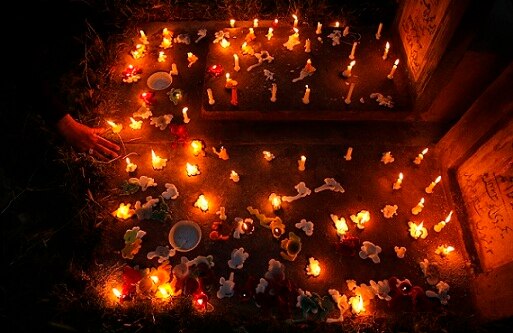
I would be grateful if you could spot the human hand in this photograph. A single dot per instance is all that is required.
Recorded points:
(86, 139)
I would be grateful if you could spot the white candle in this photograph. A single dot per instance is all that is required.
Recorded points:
(420, 157)
(211, 100)
(353, 50)
(143, 38)
(269, 33)
(429, 189)
(307, 46)
(162, 57)
(130, 167)
(274, 89)
(392, 71)
(255, 23)
(135, 124)
(348, 97)
(398, 182)
(232, 23)
(440, 225)
(116, 128)
(157, 162)
(385, 54)
(306, 97)
(378, 33)
(319, 28)
(236, 66)
(296, 21)
(348, 156)
(186, 118)
(301, 163)
(417, 209)
(234, 176)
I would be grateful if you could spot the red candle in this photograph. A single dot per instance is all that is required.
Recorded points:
(147, 97)
(234, 100)
(215, 70)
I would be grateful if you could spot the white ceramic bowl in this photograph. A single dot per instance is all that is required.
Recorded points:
(185, 235)
(159, 80)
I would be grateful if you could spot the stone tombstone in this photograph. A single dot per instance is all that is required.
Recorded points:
(425, 28)
(486, 182)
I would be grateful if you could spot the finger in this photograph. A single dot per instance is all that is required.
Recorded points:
(105, 151)
(98, 130)
(107, 143)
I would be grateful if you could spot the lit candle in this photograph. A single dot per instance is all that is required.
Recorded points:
(417, 209)
(357, 306)
(123, 212)
(146, 97)
(275, 23)
(385, 54)
(348, 156)
(228, 81)
(236, 66)
(139, 51)
(294, 16)
(275, 201)
(307, 46)
(378, 33)
(318, 31)
(211, 100)
(235, 99)
(192, 170)
(131, 74)
(337, 24)
(116, 128)
(143, 39)
(398, 182)
(348, 97)
(269, 33)
(255, 23)
(234, 176)
(420, 157)
(353, 50)
(191, 58)
(431, 186)
(224, 43)
(232, 23)
(301, 163)
(440, 225)
(166, 42)
(313, 268)
(186, 118)
(417, 231)
(392, 71)
(201, 203)
(197, 148)
(306, 96)
(444, 250)
(162, 57)
(347, 72)
(130, 167)
(247, 49)
(274, 89)
(340, 225)
(157, 162)
(166, 33)
(268, 156)
(135, 124)
(293, 40)
(361, 218)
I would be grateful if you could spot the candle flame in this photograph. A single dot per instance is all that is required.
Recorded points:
(192, 169)
(418, 228)
(396, 62)
(197, 146)
(184, 110)
(313, 268)
(275, 201)
(111, 123)
(232, 23)
(201, 203)
(387, 46)
(296, 30)
(438, 179)
(337, 24)
(233, 174)
(275, 21)
(340, 224)
(224, 43)
(227, 77)
(352, 63)
(303, 157)
(421, 202)
(309, 61)
(401, 176)
(164, 293)
(357, 304)
(154, 156)
(294, 16)
(155, 279)
(116, 292)
(128, 160)
(255, 23)
(448, 218)
(424, 152)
